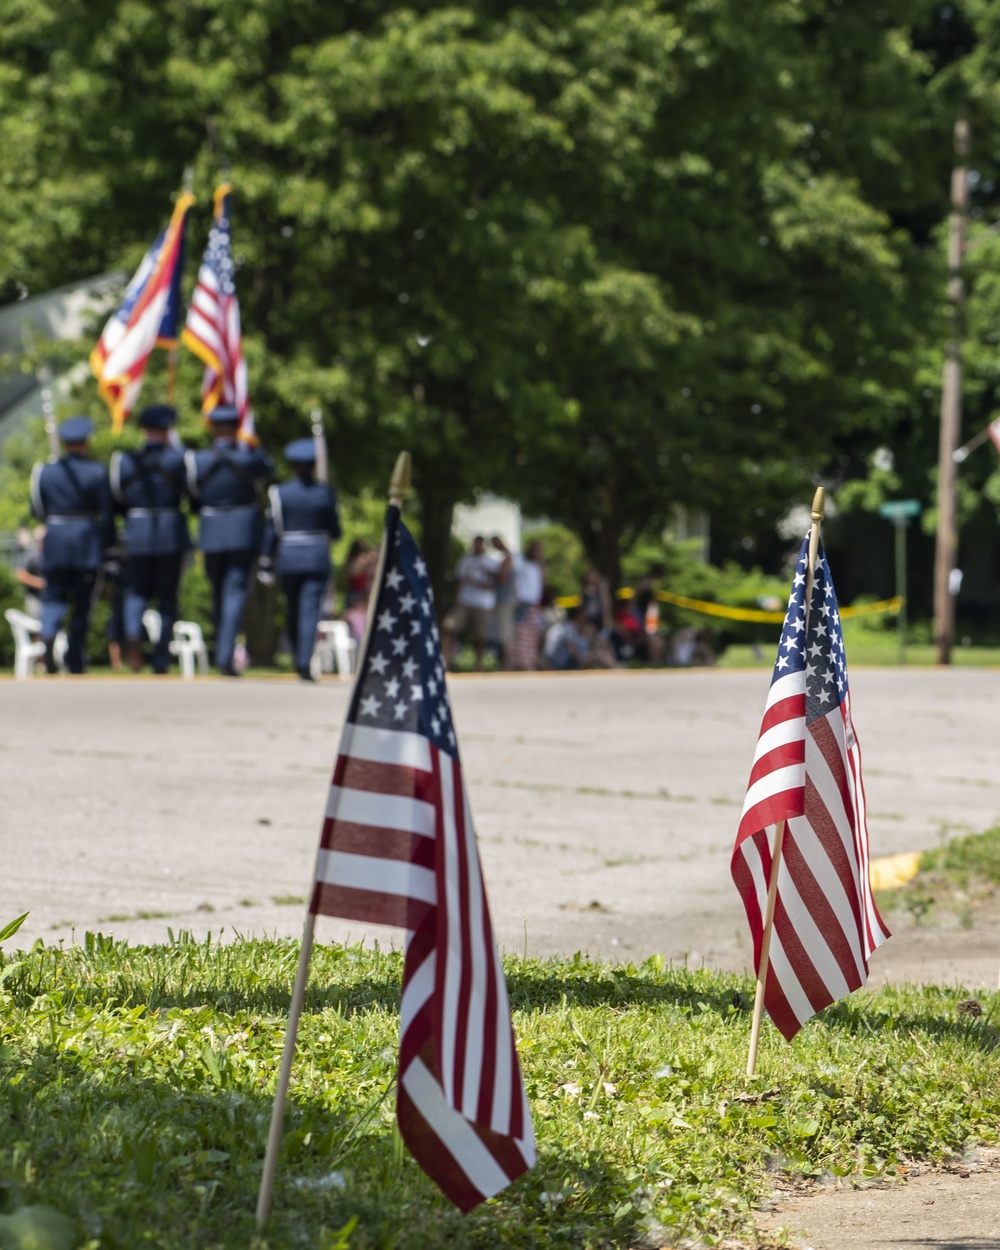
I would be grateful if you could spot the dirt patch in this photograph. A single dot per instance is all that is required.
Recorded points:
(955, 949)
(952, 1208)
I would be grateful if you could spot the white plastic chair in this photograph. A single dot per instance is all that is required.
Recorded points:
(152, 623)
(189, 647)
(27, 649)
(335, 649)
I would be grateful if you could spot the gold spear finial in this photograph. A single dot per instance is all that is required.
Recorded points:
(818, 504)
(399, 486)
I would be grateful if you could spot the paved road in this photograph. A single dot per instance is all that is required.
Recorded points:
(606, 804)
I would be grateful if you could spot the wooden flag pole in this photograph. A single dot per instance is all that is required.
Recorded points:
(398, 489)
(779, 834)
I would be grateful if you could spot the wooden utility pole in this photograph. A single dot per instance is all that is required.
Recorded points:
(951, 407)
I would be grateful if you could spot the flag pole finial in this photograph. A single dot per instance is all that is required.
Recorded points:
(818, 506)
(399, 485)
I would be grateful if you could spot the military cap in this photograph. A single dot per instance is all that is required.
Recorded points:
(224, 414)
(76, 430)
(157, 417)
(301, 451)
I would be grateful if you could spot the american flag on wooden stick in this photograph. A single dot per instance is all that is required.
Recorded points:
(807, 771)
(398, 847)
(213, 330)
(146, 318)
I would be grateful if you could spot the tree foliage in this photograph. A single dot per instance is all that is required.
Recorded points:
(605, 257)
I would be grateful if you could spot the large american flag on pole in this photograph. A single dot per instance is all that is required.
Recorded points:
(213, 330)
(146, 318)
(807, 772)
(398, 847)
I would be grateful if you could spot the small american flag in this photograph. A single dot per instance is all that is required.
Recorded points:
(398, 847)
(146, 318)
(807, 771)
(212, 330)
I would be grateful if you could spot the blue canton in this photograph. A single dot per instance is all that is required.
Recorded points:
(816, 650)
(402, 682)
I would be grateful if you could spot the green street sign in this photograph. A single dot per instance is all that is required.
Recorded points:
(899, 511)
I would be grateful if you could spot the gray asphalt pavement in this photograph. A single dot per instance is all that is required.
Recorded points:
(606, 804)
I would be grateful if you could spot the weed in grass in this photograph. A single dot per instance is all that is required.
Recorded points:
(118, 917)
(136, 1084)
(204, 907)
(248, 902)
(919, 903)
(287, 900)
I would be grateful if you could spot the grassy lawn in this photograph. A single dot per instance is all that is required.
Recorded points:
(864, 645)
(135, 1088)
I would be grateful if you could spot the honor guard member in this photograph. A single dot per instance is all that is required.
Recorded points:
(72, 497)
(302, 521)
(222, 488)
(148, 486)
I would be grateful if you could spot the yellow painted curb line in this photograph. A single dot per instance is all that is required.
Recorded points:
(892, 871)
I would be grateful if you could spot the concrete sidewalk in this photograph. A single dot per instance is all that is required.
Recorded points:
(606, 804)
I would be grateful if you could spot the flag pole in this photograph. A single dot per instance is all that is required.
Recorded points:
(49, 413)
(816, 513)
(398, 488)
(187, 188)
(319, 442)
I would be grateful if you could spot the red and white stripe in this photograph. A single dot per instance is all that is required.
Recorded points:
(214, 333)
(826, 925)
(398, 847)
(119, 359)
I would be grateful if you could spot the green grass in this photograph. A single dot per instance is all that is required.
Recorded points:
(864, 645)
(136, 1083)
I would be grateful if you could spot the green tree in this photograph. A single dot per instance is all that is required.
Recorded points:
(606, 256)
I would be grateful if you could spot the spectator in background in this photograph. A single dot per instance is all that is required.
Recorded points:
(566, 644)
(690, 647)
(29, 571)
(595, 600)
(506, 604)
(476, 599)
(529, 579)
(359, 572)
(635, 632)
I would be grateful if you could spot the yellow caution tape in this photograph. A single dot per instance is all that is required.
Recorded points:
(719, 609)
(741, 614)
(892, 871)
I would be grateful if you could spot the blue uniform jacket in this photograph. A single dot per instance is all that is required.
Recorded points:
(148, 487)
(73, 498)
(222, 489)
(303, 520)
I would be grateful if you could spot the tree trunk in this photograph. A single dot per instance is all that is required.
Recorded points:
(602, 537)
(436, 509)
